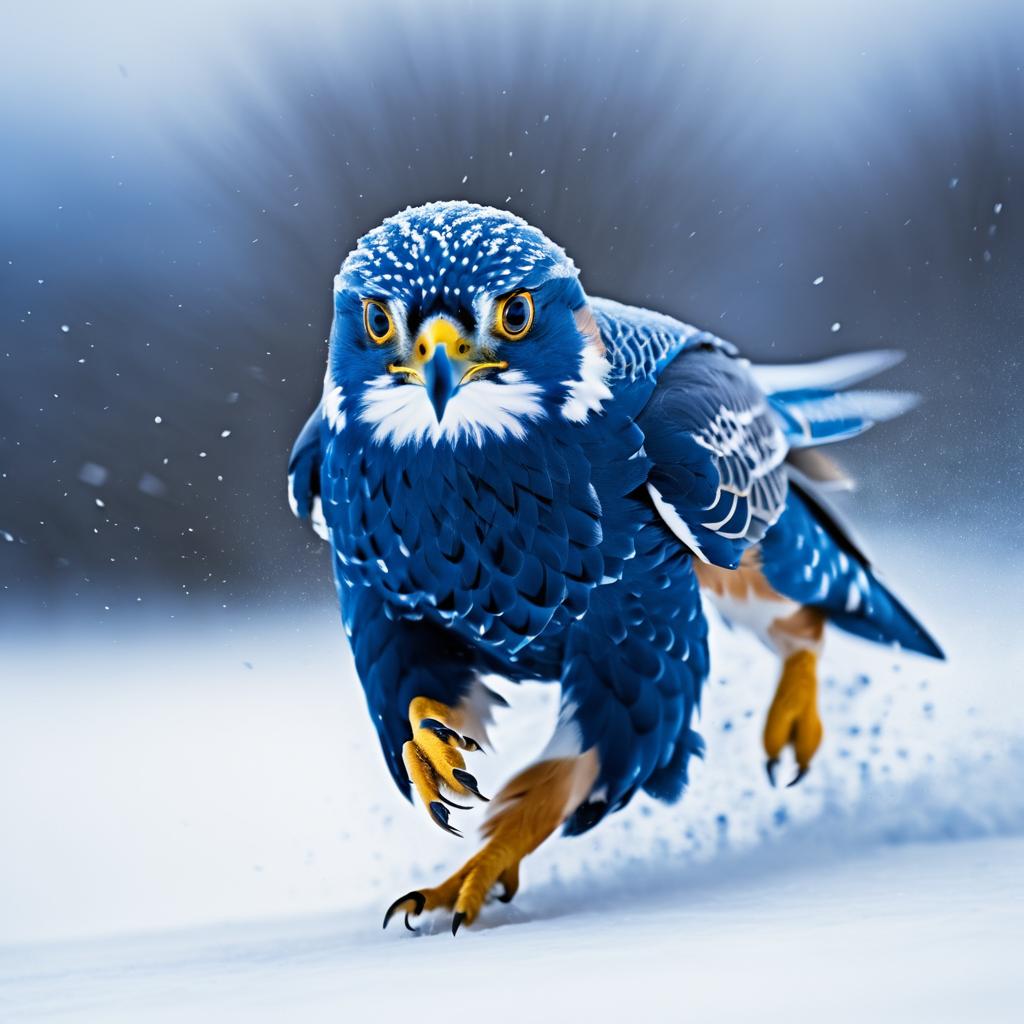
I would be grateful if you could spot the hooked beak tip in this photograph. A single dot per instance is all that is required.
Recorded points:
(440, 381)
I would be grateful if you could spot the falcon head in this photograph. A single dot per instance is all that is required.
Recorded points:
(460, 323)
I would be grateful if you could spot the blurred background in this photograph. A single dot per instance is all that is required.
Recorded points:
(180, 182)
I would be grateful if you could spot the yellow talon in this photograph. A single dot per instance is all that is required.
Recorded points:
(433, 760)
(527, 810)
(793, 716)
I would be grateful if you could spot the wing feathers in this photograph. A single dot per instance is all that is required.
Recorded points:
(718, 450)
(813, 416)
(837, 373)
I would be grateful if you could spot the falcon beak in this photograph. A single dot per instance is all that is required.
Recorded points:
(442, 361)
(441, 378)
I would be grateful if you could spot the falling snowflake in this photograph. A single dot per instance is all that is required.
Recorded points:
(152, 485)
(92, 474)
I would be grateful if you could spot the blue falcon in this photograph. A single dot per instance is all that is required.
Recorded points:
(516, 478)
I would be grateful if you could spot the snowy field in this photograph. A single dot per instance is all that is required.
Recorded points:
(198, 826)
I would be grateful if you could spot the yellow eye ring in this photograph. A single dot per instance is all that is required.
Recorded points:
(513, 317)
(380, 328)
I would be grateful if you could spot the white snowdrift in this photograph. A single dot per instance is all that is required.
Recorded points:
(226, 771)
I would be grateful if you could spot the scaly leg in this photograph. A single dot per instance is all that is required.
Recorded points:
(796, 634)
(529, 808)
(793, 716)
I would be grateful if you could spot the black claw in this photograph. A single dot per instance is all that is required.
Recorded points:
(508, 895)
(440, 730)
(452, 803)
(419, 902)
(770, 765)
(439, 813)
(456, 921)
(799, 775)
(469, 782)
(472, 745)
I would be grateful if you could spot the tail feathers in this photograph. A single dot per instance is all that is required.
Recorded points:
(833, 374)
(813, 416)
(884, 619)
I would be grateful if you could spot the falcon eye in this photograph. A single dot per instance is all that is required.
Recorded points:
(514, 316)
(377, 321)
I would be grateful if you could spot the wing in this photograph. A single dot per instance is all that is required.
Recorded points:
(641, 343)
(833, 374)
(816, 408)
(718, 449)
(304, 473)
(809, 557)
(814, 416)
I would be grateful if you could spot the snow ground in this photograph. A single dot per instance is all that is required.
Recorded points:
(922, 931)
(198, 827)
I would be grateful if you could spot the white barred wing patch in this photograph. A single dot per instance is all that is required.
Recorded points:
(749, 447)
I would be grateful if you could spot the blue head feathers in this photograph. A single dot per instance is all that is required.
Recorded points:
(460, 323)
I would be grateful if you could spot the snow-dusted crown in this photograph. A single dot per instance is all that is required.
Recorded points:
(452, 248)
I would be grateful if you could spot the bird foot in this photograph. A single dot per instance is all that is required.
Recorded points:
(434, 762)
(793, 718)
(466, 891)
(528, 809)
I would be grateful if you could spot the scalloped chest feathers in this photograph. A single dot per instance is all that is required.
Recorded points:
(503, 541)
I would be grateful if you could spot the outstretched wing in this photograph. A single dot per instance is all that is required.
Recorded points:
(718, 449)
